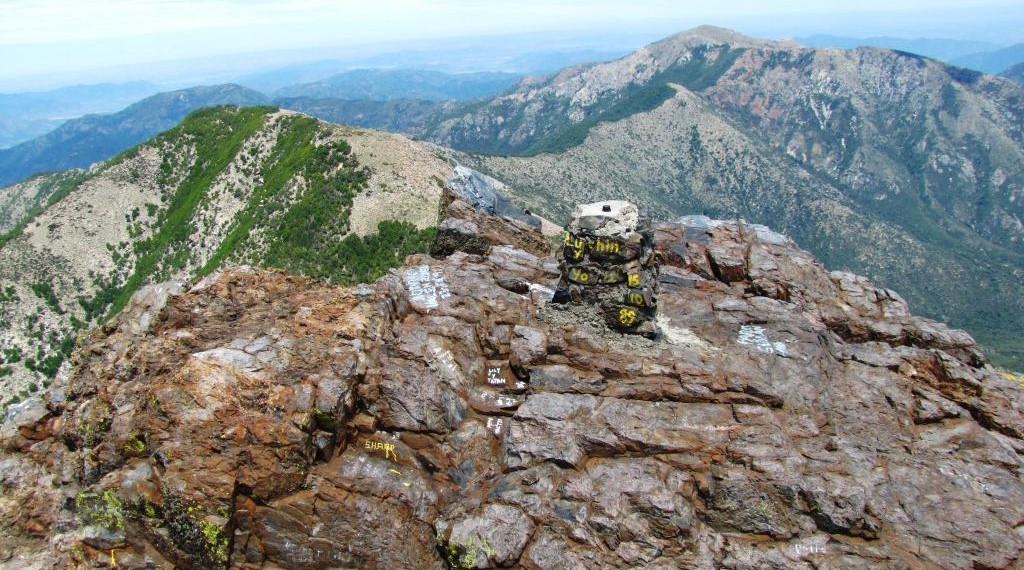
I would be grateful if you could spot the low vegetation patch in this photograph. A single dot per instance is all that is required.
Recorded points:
(52, 189)
(295, 217)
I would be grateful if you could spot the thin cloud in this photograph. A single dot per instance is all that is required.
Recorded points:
(53, 21)
(51, 37)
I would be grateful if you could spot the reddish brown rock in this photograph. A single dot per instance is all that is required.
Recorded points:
(449, 417)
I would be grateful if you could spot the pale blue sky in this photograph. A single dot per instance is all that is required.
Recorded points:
(39, 37)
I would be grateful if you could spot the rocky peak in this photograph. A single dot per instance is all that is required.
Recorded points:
(449, 416)
(706, 36)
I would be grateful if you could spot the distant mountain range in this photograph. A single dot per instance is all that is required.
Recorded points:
(390, 99)
(1015, 73)
(389, 84)
(80, 142)
(24, 116)
(940, 49)
(995, 61)
(883, 162)
(980, 56)
(397, 115)
(524, 54)
(361, 97)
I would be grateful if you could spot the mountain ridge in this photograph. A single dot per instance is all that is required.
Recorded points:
(80, 142)
(250, 185)
(929, 150)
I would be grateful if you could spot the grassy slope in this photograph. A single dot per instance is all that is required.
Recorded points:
(296, 220)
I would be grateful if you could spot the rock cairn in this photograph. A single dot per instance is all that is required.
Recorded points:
(607, 260)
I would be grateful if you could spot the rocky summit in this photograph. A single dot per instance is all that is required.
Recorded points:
(449, 416)
(879, 162)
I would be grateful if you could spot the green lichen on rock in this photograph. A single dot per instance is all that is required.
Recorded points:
(325, 420)
(94, 422)
(103, 509)
(460, 553)
(149, 509)
(197, 533)
(216, 542)
(136, 445)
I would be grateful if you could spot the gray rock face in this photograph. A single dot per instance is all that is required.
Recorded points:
(25, 423)
(494, 538)
(147, 302)
(611, 218)
(482, 192)
(466, 227)
(788, 417)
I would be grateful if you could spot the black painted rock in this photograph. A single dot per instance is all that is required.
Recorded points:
(607, 260)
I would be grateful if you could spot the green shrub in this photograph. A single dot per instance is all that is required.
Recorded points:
(218, 134)
(45, 292)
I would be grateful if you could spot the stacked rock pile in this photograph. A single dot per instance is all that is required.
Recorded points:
(607, 260)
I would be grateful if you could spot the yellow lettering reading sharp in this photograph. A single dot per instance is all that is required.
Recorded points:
(387, 448)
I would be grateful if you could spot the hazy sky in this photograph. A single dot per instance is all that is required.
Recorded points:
(53, 36)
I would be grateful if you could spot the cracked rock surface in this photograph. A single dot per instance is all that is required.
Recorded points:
(447, 417)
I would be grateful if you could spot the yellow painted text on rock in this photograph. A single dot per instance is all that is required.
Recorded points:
(579, 275)
(387, 448)
(627, 316)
